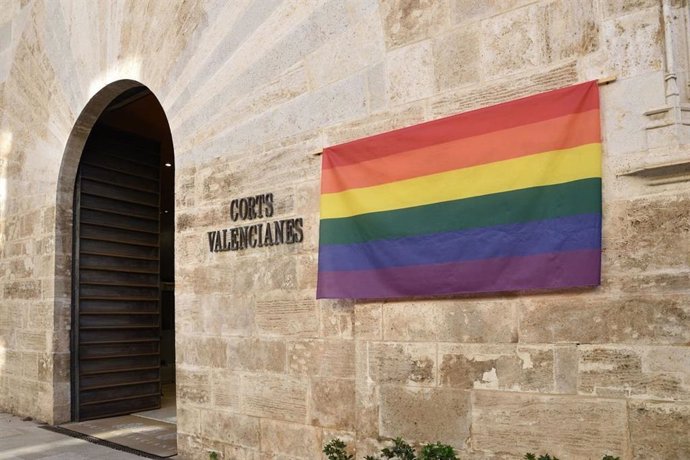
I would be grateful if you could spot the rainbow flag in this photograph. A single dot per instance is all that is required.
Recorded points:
(503, 198)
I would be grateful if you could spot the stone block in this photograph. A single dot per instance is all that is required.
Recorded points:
(291, 317)
(376, 83)
(23, 290)
(634, 42)
(230, 428)
(565, 368)
(368, 321)
(202, 351)
(332, 403)
(322, 358)
(257, 355)
(468, 10)
(410, 73)
(403, 363)
(621, 7)
(193, 387)
(188, 419)
(564, 426)
(289, 440)
(659, 430)
(359, 46)
(274, 396)
(367, 401)
(337, 317)
(598, 318)
(651, 234)
(30, 365)
(225, 315)
(623, 122)
(462, 320)
(32, 341)
(504, 367)
(513, 41)
(407, 21)
(225, 389)
(643, 373)
(456, 57)
(425, 414)
(572, 29)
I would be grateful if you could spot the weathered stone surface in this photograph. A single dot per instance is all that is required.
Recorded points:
(32, 341)
(223, 315)
(403, 363)
(188, 419)
(565, 426)
(225, 389)
(650, 373)
(468, 10)
(462, 320)
(231, 428)
(323, 358)
(456, 58)
(659, 430)
(407, 21)
(579, 18)
(367, 401)
(472, 97)
(257, 355)
(332, 403)
(652, 235)
(641, 50)
(202, 351)
(425, 414)
(337, 318)
(505, 367)
(294, 317)
(290, 440)
(620, 7)
(565, 368)
(410, 73)
(359, 46)
(639, 319)
(368, 321)
(276, 397)
(503, 35)
(192, 386)
(23, 290)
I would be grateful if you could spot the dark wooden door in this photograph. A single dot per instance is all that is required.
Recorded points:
(116, 327)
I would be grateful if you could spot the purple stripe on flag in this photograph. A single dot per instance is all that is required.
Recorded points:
(556, 270)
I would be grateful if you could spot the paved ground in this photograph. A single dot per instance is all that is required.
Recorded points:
(25, 440)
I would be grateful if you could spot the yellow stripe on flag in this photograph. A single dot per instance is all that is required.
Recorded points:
(547, 168)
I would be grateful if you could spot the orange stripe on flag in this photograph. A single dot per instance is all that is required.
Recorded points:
(532, 109)
(553, 134)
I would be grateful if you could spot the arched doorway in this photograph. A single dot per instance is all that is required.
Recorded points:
(122, 310)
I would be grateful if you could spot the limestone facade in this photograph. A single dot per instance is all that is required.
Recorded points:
(253, 90)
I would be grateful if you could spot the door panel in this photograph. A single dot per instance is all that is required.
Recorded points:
(116, 343)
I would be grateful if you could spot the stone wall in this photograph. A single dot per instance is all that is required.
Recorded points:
(253, 90)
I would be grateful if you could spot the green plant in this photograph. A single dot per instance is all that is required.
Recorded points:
(335, 450)
(400, 450)
(610, 457)
(438, 451)
(213, 455)
(530, 456)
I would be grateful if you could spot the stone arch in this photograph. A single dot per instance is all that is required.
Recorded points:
(61, 341)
